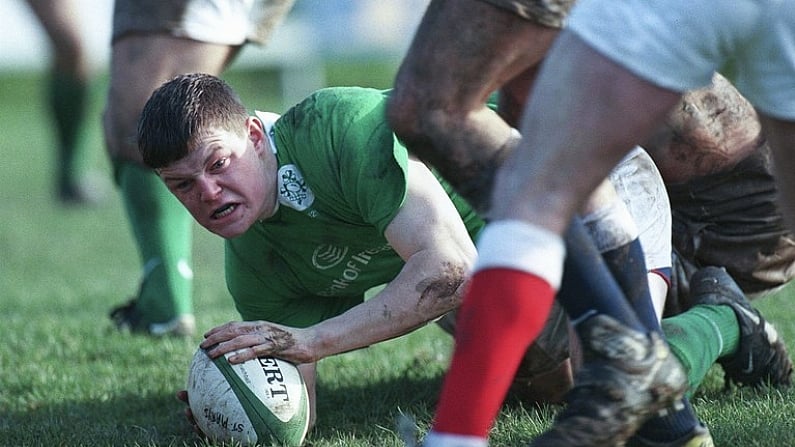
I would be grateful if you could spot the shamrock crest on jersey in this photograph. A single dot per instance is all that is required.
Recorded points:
(293, 191)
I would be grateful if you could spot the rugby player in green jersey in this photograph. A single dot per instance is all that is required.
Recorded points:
(317, 207)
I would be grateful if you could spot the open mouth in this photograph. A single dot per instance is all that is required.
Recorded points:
(224, 211)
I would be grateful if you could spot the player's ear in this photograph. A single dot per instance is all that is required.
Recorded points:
(256, 134)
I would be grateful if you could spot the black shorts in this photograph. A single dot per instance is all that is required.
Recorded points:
(731, 219)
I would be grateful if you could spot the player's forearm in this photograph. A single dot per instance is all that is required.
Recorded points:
(425, 289)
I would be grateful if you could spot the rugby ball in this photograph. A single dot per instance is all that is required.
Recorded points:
(261, 401)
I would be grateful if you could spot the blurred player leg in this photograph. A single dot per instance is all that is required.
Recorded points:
(438, 108)
(163, 228)
(149, 47)
(67, 92)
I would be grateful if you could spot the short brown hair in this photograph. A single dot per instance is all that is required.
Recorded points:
(180, 110)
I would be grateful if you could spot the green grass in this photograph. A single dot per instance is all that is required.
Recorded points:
(67, 379)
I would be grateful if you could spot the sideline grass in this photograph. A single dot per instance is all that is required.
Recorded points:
(66, 379)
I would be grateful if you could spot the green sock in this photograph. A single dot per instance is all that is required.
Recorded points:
(68, 100)
(163, 232)
(700, 336)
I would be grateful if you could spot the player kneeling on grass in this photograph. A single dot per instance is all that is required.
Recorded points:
(317, 206)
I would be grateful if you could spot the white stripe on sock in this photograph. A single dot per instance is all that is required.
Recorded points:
(522, 246)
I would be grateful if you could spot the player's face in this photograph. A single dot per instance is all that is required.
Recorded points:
(228, 181)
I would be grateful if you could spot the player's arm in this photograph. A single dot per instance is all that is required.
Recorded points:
(428, 234)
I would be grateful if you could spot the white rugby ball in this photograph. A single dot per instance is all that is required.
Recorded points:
(261, 401)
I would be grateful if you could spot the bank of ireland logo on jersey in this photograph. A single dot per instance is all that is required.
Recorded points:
(293, 191)
(327, 256)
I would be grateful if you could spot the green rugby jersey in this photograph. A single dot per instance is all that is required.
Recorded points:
(341, 180)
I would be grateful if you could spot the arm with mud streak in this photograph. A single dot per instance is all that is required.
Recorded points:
(429, 235)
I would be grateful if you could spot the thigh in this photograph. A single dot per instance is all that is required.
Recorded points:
(60, 22)
(139, 64)
(491, 46)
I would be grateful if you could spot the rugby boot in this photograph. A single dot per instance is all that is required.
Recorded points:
(126, 318)
(761, 357)
(89, 190)
(698, 437)
(627, 377)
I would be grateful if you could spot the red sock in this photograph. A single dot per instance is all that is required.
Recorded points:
(503, 311)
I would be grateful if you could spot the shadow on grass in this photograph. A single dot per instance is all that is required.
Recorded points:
(370, 409)
(350, 412)
(361, 412)
(119, 420)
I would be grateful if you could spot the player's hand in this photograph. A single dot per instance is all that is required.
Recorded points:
(182, 395)
(257, 339)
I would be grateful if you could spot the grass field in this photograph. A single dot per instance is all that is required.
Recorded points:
(67, 379)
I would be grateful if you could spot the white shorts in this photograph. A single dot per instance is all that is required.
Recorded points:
(223, 22)
(678, 44)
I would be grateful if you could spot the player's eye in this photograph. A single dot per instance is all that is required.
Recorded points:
(219, 164)
(182, 185)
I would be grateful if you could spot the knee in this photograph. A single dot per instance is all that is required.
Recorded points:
(119, 131)
(420, 122)
(70, 58)
(403, 112)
